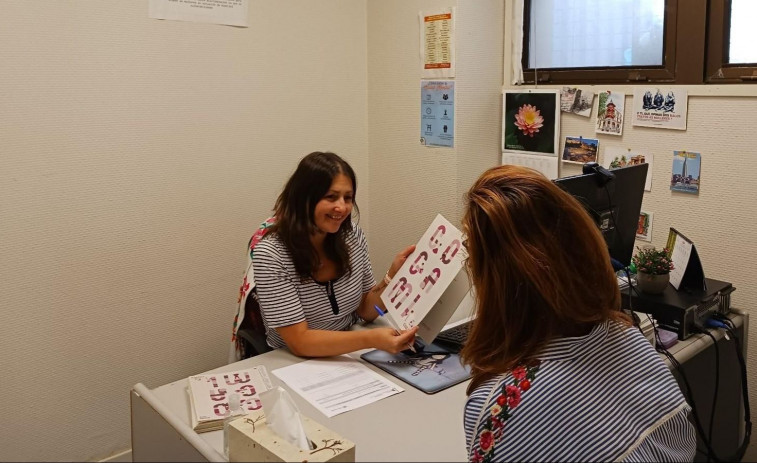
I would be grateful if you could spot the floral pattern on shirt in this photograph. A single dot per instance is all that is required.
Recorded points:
(508, 399)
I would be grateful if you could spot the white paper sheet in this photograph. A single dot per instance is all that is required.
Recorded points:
(337, 384)
(228, 12)
(547, 165)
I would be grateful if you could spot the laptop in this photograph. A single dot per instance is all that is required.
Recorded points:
(454, 304)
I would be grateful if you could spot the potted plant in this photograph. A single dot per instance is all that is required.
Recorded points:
(653, 268)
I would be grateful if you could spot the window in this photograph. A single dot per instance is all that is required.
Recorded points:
(622, 41)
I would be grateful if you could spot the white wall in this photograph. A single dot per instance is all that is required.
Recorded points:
(136, 158)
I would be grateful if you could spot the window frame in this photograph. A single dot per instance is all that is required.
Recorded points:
(719, 71)
(682, 65)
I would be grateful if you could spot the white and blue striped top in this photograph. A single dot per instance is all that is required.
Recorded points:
(605, 396)
(285, 299)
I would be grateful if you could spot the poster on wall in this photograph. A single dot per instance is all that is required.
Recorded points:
(227, 12)
(686, 172)
(610, 106)
(531, 121)
(660, 107)
(438, 113)
(615, 158)
(438, 44)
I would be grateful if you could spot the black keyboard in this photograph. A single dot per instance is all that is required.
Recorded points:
(454, 335)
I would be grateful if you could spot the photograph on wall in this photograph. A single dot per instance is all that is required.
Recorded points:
(660, 107)
(644, 230)
(610, 107)
(614, 158)
(580, 150)
(686, 167)
(531, 121)
(576, 101)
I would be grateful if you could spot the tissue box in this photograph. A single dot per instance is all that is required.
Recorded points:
(250, 439)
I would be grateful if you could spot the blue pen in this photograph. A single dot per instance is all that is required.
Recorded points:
(396, 328)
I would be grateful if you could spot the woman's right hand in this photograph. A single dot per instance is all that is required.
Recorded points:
(385, 339)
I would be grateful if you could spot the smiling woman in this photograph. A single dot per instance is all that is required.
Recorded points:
(312, 272)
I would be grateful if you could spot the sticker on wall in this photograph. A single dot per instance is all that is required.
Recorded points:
(438, 113)
(610, 106)
(660, 107)
(686, 172)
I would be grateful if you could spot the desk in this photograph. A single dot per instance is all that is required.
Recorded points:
(410, 426)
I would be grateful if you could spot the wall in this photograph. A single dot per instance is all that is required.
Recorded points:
(136, 158)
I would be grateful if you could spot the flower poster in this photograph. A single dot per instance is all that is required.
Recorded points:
(685, 176)
(610, 107)
(531, 121)
(644, 229)
(661, 107)
(615, 158)
(580, 150)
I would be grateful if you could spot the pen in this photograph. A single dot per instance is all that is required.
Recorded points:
(396, 328)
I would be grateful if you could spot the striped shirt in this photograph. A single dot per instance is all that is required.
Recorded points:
(605, 396)
(285, 299)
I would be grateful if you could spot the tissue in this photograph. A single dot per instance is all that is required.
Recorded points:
(283, 417)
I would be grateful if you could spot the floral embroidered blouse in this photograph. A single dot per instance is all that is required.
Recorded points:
(605, 396)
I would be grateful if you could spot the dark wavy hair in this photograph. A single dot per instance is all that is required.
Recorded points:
(295, 207)
(539, 266)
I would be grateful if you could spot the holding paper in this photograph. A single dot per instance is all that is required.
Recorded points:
(425, 277)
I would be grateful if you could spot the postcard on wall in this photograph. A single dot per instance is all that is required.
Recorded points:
(438, 44)
(230, 12)
(644, 229)
(580, 150)
(438, 113)
(610, 107)
(577, 101)
(614, 158)
(686, 172)
(427, 272)
(531, 121)
(661, 107)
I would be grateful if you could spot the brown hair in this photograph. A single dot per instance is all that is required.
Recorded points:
(294, 212)
(539, 266)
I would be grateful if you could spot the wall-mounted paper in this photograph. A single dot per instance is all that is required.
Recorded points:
(228, 12)
(610, 106)
(660, 107)
(614, 158)
(547, 165)
(438, 44)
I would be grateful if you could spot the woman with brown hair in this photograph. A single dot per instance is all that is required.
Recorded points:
(559, 372)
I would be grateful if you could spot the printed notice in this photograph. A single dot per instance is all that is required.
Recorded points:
(438, 44)
(660, 107)
(227, 12)
(438, 113)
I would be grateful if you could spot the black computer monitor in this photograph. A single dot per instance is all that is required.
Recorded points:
(614, 205)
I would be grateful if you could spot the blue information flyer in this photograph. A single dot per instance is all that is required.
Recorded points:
(438, 113)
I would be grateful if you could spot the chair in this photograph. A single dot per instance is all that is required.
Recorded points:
(248, 337)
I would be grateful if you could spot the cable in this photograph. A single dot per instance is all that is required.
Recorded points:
(717, 384)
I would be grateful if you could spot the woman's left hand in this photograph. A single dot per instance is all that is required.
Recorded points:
(400, 259)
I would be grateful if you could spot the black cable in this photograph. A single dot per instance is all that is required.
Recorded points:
(677, 365)
(717, 383)
(745, 393)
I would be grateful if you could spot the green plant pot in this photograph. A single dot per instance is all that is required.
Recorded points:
(653, 284)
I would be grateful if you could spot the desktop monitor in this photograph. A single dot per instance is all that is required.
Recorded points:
(614, 204)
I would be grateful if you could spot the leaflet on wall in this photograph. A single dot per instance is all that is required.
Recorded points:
(438, 113)
(438, 44)
(228, 12)
(686, 167)
(615, 158)
(660, 107)
(610, 106)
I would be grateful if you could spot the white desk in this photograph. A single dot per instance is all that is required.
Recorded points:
(410, 426)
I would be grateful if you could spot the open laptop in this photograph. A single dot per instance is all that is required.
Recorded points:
(455, 303)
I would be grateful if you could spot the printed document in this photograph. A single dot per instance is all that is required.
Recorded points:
(337, 384)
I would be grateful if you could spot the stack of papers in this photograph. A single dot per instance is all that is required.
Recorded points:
(647, 325)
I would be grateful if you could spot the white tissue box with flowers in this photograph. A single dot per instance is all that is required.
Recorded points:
(250, 439)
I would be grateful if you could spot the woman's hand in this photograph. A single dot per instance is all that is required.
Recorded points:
(385, 339)
(400, 259)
